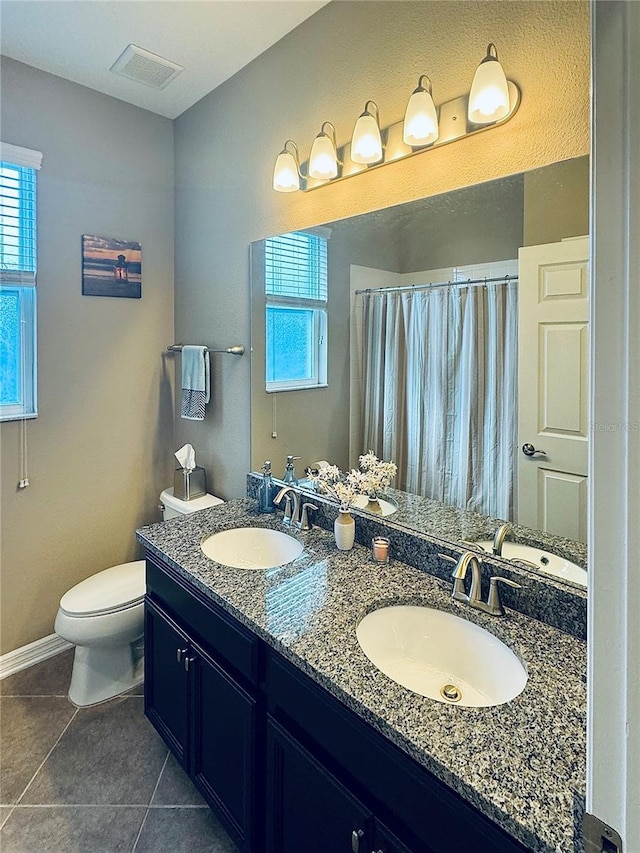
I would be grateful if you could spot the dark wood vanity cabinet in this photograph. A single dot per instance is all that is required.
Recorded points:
(309, 809)
(166, 680)
(204, 710)
(288, 767)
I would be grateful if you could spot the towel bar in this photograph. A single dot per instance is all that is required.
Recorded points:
(237, 349)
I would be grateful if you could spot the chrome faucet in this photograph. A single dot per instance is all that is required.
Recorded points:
(499, 537)
(294, 514)
(473, 598)
(292, 504)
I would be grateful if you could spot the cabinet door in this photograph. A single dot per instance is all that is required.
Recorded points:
(308, 809)
(223, 759)
(166, 680)
(386, 841)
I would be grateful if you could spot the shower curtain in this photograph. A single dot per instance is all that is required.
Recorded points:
(440, 397)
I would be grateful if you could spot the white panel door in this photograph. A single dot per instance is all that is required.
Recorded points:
(553, 387)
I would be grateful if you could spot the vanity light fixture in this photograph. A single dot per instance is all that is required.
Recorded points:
(421, 119)
(286, 173)
(492, 101)
(366, 142)
(323, 160)
(489, 95)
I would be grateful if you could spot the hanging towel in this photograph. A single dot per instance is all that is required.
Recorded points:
(195, 382)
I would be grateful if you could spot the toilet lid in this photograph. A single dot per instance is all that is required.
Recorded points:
(112, 589)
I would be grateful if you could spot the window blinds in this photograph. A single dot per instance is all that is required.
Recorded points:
(296, 266)
(18, 214)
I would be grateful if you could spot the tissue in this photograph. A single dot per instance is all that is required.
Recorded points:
(186, 456)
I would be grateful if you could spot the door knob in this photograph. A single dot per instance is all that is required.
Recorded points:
(529, 450)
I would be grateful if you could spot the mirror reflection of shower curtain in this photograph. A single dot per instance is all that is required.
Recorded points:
(440, 397)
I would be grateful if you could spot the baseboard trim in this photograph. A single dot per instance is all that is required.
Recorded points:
(31, 654)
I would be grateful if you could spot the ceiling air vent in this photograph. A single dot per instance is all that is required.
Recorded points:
(145, 67)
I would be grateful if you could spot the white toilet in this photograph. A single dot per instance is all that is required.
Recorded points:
(104, 617)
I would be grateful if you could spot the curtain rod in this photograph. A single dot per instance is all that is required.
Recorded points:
(505, 279)
(238, 349)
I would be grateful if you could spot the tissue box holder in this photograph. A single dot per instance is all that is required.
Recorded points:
(189, 484)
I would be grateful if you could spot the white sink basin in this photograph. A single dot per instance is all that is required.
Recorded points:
(441, 656)
(544, 561)
(251, 548)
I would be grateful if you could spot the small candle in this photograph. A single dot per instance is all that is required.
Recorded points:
(380, 546)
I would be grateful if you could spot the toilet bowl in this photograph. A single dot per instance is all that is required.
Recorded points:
(104, 617)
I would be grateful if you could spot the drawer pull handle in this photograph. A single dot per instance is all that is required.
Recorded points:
(356, 835)
(180, 654)
(187, 662)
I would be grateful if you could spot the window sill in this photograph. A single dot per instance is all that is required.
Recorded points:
(274, 389)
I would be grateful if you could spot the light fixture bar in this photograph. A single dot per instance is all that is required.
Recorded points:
(453, 124)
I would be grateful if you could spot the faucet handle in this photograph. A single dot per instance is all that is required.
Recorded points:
(288, 509)
(493, 603)
(305, 524)
(447, 557)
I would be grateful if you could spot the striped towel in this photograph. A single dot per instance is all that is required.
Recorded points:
(195, 382)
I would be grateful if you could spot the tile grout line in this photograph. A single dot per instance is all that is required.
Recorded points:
(146, 814)
(33, 696)
(78, 806)
(42, 763)
(11, 810)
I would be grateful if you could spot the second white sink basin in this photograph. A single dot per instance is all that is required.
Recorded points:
(441, 656)
(544, 561)
(251, 548)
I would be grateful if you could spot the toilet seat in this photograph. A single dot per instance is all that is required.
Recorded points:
(109, 591)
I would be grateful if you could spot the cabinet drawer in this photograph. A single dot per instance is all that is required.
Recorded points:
(405, 795)
(210, 624)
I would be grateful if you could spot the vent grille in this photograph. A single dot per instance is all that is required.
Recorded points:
(145, 67)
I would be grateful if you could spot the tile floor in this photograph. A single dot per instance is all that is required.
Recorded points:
(92, 780)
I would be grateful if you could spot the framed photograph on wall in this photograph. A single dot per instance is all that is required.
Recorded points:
(111, 267)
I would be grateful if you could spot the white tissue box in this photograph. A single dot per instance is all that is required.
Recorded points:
(189, 484)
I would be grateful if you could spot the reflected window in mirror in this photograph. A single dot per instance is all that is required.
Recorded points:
(296, 292)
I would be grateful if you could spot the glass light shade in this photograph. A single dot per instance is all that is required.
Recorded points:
(489, 95)
(323, 161)
(420, 119)
(366, 142)
(285, 174)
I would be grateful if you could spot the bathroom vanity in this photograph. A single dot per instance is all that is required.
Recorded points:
(257, 683)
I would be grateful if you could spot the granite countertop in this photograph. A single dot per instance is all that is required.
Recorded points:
(455, 524)
(522, 764)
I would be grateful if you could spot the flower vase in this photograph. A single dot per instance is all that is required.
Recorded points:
(344, 530)
(373, 505)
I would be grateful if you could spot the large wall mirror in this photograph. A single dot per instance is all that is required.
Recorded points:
(450, 382)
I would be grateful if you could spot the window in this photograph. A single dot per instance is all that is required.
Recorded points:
(18, 167)
(296, 313)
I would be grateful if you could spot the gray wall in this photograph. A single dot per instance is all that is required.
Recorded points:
(325, 70)
(556, 202)
(99, 452)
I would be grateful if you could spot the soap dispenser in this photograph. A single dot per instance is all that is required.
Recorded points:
(289, 478)
(266, 490)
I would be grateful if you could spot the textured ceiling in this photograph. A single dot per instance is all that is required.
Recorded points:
(81, 39)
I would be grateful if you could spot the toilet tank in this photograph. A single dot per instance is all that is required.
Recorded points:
(173, 507)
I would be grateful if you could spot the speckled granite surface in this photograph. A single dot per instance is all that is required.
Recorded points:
(434, 518)
(522, 764)
(551, 600)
